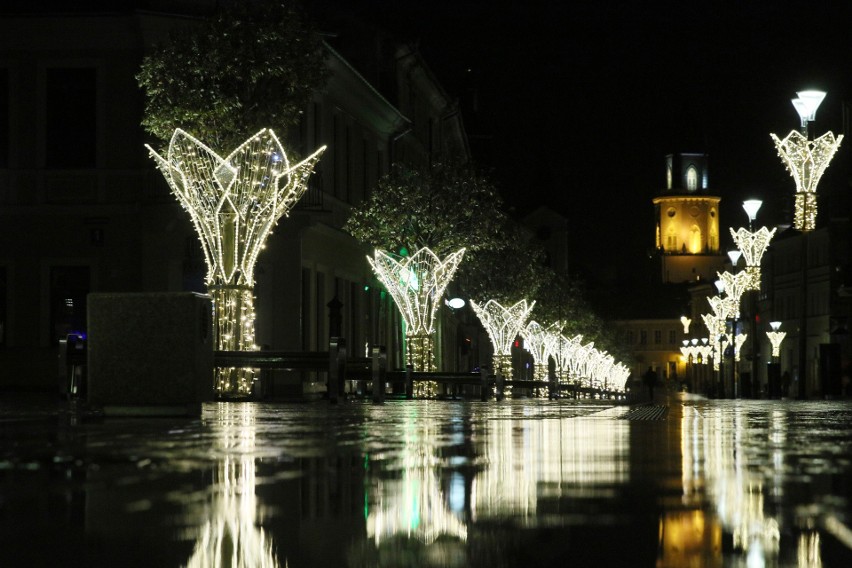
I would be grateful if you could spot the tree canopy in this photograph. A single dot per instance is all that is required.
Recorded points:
(249, 65)
(445, 207)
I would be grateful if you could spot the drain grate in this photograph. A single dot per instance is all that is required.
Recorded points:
(649, 412)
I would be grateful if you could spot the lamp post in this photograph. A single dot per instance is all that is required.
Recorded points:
(774, 368)
(753, 245)
(806, 159)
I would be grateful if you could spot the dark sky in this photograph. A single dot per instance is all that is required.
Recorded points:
(581, 101)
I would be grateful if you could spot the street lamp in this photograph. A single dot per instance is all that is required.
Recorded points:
(734, 255)
(776, 337)
(806, 159)
(752, 206)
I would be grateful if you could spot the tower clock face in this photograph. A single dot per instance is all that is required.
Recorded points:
(671, 212)
(694, 211)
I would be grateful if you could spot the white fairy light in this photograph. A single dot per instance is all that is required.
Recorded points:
(752, 245)
(417, 283)
(503, 325)
(739, 339)
(775, 338)
(233, 202)
(735, 286)
(806, 160)
(541, 343)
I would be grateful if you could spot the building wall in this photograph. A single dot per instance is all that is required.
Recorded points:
(654, 343)
(82, 208)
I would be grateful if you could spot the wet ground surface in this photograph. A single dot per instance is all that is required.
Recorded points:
(430, 483)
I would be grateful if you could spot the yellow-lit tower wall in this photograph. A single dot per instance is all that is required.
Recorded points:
(687, 222)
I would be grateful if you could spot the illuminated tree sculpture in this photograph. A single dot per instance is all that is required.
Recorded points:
(753, 245)
(775, 338)
(503, 325)
(541, 342)
(715, 324)
(806, 160)
(233, 202)
(416, 283)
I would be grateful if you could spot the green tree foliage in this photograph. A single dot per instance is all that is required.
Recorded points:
(444, 207)
(250, 65)
(508, 271)
(562, 299)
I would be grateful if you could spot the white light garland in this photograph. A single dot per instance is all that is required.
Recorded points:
(806, 160)
(775, 338)
(416, 283)
(233, 202)
(503, 325)
(739, 339)
(752, 245)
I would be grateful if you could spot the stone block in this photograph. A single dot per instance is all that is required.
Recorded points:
(150, 353)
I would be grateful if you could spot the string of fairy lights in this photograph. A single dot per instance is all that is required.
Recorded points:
(417, 283)
(234, 202)
(806, 160)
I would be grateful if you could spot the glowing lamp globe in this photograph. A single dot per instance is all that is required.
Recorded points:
(752, 206)
(808, 103)
(734, 255)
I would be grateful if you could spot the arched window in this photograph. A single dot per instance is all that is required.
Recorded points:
(695, 240)
(669, 177)
(671, 240)
(691, 178)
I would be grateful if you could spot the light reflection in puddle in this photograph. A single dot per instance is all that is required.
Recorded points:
(529, 483)
(233, 535)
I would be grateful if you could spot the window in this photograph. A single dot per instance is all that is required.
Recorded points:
(691, 178)
(71, 118)
(672, 337)
(4, 118)
(643, 337)
(658, 337)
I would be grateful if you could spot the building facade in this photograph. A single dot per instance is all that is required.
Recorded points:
(82, 208)
(687, 222)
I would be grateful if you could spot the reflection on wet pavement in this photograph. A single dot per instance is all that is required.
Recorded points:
(429, 483)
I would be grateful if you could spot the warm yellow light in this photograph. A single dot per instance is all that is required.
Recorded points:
(806, 160)
(233, 202)
(753, 245)
(417, 283)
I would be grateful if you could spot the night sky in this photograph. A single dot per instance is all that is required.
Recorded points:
(579, 102)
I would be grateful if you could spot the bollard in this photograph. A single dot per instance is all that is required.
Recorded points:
(380, 362)
(551, 377)
(485, 393)
(409, 382)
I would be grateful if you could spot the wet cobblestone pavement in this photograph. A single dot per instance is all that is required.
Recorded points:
(430, 483)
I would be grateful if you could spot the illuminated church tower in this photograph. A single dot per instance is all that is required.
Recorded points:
(687, 219)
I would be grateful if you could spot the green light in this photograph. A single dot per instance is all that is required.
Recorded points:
(366, 288)
(403, 251)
